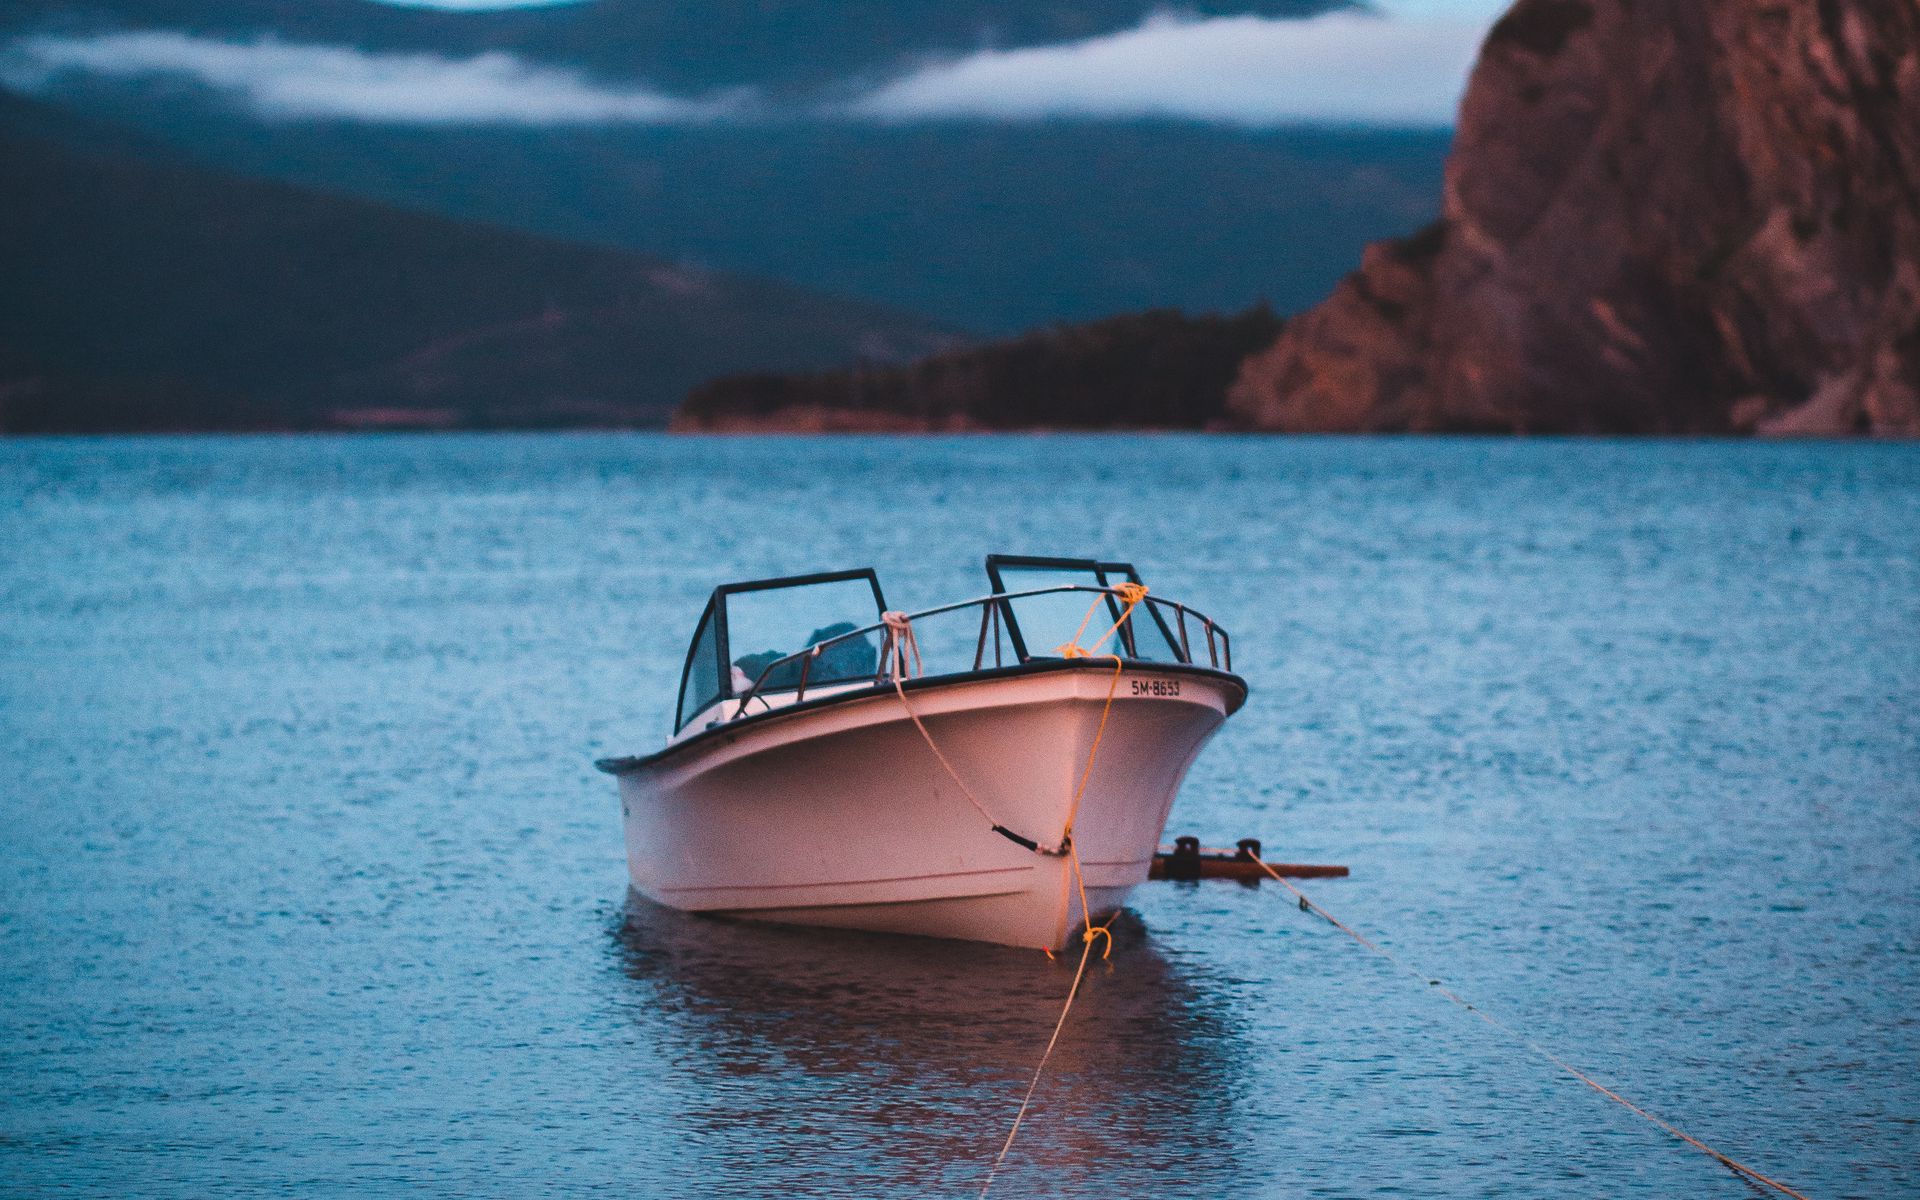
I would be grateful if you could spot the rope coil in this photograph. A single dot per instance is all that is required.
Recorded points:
(900, 647)
(1131, 593)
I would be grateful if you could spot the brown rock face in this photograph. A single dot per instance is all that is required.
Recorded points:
(1661, 216)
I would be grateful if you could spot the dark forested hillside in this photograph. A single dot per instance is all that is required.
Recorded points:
(1155, 370)
(143, 293)
(998, 228)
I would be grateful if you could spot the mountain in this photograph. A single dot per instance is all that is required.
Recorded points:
(143, 292)
(982, 226)
(1155, 370)
(989, 225)
(1695, 217)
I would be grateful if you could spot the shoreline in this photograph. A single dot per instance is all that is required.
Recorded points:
(975, 434)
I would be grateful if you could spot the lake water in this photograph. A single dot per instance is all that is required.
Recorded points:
(309, 886)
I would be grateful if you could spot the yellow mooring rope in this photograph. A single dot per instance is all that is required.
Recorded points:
(1086, 952)
(1087, 936)
(1132, 594)
(901, 656)
(902, 649)
(1738, 1168)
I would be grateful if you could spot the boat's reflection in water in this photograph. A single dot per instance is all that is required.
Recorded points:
(867, 1064)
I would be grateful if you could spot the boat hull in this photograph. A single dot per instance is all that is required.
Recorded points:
(839, 814)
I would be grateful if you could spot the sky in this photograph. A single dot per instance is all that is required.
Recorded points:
(1401, 64)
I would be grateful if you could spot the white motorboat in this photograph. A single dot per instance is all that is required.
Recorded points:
(824, 771)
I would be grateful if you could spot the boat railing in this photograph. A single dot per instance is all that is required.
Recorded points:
(1184, 628)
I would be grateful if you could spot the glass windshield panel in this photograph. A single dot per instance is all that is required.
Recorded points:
(702, 684)
(1048, 622)
(1155, 636)
(767, 625)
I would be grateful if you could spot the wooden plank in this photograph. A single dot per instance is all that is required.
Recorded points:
(1183, 863)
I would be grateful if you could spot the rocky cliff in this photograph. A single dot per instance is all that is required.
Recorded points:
(1660, 216)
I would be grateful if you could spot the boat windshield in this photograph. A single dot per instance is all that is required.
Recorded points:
(1041, 624)
(768, 622)
(749, 626)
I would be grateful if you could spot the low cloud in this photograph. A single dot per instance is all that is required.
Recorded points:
(1346, 67)
(299, 81)
(1405, 65)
